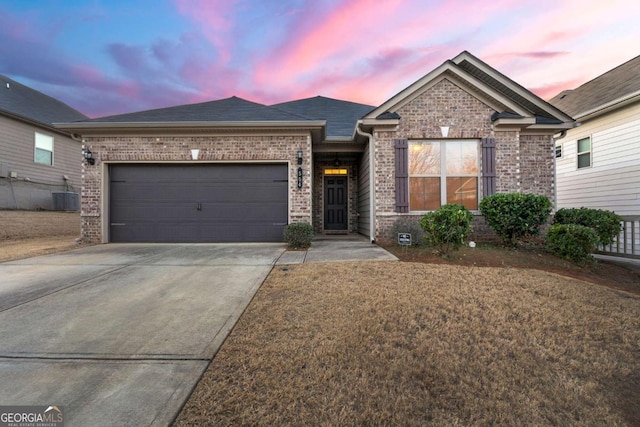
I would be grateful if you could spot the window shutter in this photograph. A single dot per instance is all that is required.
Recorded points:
(402, 175)
(488, 166)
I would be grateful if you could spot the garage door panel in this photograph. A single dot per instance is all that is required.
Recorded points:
(198, 203)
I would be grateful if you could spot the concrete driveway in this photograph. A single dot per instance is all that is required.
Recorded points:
(120, 334)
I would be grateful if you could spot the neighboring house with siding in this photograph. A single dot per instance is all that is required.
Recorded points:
(598, 162)
(36, 158)
(234, 170)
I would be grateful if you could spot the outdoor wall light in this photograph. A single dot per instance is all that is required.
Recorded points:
(88, 156)
(299, 178)
(299, 156)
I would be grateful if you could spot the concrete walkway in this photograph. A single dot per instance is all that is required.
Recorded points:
(352, 247)
(118, 335)
(630, 263)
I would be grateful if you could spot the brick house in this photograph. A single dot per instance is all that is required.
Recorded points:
(233, 170)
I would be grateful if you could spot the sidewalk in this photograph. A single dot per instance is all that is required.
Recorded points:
(352, 247)
(631, 263)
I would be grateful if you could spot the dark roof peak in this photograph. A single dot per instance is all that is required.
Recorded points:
(341, 116)
(24, 102)
(232, 109)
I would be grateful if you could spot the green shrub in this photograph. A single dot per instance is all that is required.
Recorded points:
(407, 225)
(572, 241)
(298, 235)
(448, 227)
(514, 215)
(605, 223)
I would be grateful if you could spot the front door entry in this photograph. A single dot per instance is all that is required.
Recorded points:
(335, 203)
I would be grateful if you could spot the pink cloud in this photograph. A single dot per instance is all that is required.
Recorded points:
(215, 21)
(381, 39)
(549, 91)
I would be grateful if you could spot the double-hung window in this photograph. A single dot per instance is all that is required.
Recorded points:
(43, 149)
(442, 172)
(584, 152)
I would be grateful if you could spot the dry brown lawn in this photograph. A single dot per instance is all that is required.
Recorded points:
(25, 234)
(403, 343)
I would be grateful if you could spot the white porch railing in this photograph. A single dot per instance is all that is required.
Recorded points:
(627, 244)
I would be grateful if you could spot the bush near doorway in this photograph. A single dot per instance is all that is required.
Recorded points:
(298, 235)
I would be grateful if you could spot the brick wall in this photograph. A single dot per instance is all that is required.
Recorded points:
(523, 163)
(538, 165)
(224, 148)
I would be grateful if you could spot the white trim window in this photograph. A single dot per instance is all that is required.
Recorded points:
(442, 172)
(584, 152)
(559, 151)
(43, 152)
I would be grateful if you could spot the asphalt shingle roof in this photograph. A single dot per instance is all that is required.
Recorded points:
(232, 109)
(614, 84)
(341, 116)
(22, 101)
(503, 89)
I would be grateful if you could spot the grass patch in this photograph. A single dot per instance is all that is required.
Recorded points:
(391, 343)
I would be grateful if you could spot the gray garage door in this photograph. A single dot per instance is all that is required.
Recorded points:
(198, 203)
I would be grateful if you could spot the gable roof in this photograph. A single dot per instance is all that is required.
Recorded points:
(514, 105)
(23, 103)
(613, 89)
(341, 116)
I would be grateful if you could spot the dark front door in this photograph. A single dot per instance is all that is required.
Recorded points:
(172, 203)
(335, 203)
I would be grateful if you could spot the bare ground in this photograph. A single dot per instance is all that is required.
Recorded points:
(25, 234)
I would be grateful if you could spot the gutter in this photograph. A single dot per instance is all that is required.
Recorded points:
(189, 124)
(48, 126)
(609, 106)
(372, 187)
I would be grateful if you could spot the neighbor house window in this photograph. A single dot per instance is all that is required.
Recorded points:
(44, 149)
(584, 152)
(442, 172)
(558, 151)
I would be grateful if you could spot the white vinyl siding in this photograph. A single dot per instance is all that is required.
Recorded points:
(43, 152)
(613, 180)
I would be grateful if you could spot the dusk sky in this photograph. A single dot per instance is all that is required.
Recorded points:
(106, 57)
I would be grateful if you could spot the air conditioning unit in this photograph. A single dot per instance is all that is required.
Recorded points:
(66, 201)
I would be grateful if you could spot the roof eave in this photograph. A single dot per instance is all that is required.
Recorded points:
(529, 124)
(410, 92)
(380, 122)
(515, 122)
(89, 126)
(27, 120)
(609, 106)
(512, 85)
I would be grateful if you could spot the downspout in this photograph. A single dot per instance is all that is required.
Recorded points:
(372, 187)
